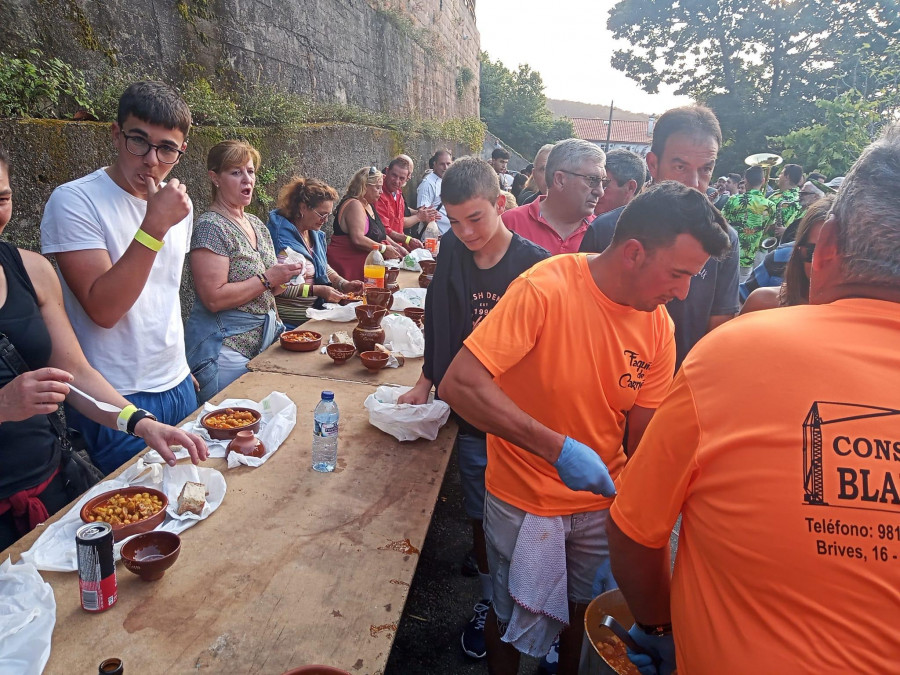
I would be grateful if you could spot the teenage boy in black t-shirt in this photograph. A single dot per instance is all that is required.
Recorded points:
(479, 259)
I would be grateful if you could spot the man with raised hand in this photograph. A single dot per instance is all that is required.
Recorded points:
(578, 345)
(119, 236)
(790, 513)
(685, 145)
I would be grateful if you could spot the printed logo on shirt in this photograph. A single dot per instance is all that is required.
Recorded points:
(851, 459)
(482, 303)
(634, 377)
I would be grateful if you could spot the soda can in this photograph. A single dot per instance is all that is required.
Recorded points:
(96, 567)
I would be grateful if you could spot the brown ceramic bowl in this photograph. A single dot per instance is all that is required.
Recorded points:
(415, 313)
(341, 353)
(121, 532)
(379, 296)
(228, 434)
(300, 340)
(374, 361)
(149, 555)
(316, 670)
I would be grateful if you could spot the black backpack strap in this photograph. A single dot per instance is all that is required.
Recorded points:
(14, 361)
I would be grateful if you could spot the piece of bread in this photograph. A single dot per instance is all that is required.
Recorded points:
(192, 498)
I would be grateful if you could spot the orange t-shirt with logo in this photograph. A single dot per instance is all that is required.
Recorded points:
(780, 446)
(576, 362)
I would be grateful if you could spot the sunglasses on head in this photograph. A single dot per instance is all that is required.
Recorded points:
(372, 170)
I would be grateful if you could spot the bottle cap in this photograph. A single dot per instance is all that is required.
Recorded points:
(327, 395)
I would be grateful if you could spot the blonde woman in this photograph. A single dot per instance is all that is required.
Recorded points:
(236, 275)
(357, 226)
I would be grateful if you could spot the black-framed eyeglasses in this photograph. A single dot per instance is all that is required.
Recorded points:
(806, 252)
(806, 194)
(140, 146)
(592, 181)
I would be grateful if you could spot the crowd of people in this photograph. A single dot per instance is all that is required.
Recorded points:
(584, 340)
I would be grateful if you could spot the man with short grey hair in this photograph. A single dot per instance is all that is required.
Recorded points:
(625, 175)
(575, 173)
(821, 457)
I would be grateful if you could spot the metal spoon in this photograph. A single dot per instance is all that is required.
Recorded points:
(623, 635)
(108, 407)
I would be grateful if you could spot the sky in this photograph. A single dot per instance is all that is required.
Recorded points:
(568, 43)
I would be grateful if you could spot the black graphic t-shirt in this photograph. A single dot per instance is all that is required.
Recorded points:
(488, 286)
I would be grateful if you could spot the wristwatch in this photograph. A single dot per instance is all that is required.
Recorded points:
(136, 417)
(658, 630)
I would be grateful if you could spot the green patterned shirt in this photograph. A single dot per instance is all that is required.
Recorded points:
(750, 214)
(787, 206)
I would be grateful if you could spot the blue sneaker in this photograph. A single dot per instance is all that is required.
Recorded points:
(550, 660)
(472, 639)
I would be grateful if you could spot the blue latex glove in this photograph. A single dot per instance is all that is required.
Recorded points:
(604, 579)
(581, 469)
(662, 648)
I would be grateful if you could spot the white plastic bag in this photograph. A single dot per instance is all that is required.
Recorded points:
(411, 259)
(405, 422)
(409, 297)
(334, 312)
(27, 617)
(404, 336)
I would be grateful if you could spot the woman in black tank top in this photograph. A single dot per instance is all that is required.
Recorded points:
(33, 321)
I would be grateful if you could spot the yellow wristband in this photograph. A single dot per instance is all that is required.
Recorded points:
(407, 240)
(306, 290)
(147, 240)
(125, 415)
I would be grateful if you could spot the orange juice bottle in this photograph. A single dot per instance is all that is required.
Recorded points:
(373, 269)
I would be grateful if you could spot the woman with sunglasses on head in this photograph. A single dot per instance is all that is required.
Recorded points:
(236, 275)
(358, 228)
(304, 205)
(794, 290)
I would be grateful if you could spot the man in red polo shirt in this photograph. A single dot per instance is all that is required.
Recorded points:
(575, 174)
(391, 206)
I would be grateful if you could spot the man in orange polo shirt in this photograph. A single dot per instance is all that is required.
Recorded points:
(578, 345)
(575, 175)
(787, 480)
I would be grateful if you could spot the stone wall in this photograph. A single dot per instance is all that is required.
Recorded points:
(408, 57)
(45, 154)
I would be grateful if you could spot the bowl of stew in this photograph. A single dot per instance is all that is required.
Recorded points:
(225, 423)
(130, 510)
(301, 340)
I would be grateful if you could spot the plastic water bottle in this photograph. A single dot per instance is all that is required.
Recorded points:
(325, 434)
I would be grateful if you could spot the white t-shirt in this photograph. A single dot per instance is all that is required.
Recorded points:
(144, 351)
(429, 194)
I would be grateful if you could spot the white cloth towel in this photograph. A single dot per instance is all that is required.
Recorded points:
(537, 583)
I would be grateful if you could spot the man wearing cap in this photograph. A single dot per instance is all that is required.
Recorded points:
(808, 195)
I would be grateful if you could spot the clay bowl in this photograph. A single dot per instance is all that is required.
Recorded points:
(246, 443)
(415, 313)
(149, 555)
(310, 343)
(316, 670)
(340, 353)
(228, 434)
(374, 361)
(121, 532)
(380, 297)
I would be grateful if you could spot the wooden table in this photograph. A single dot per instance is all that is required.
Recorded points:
(295, 566)
(278, 360)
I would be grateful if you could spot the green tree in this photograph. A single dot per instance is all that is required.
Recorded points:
(832, 145)
(514, 107)
(761, 65)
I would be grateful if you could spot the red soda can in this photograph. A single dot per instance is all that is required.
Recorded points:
(96, 567)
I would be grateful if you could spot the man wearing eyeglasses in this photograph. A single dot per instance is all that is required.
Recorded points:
(575, 177)
(119, 236)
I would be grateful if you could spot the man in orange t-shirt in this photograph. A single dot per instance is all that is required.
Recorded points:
(788, 484)
(578, 345)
